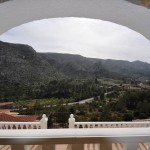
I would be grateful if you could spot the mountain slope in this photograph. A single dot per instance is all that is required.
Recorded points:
(24, 73)
(134, 69)
(21, 63)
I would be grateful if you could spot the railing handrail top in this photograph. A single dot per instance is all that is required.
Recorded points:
(25, 123)
(146, 122)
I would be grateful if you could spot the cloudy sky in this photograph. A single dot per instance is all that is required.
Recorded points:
(87, 37)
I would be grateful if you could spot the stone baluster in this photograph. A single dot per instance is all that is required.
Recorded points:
(72, 121)
(90, 125)
(43, 122)
(84, 126)
(21, 126)
(36, 126)
(28, 126)
(3, 126)
(32, 126)
(6, 126)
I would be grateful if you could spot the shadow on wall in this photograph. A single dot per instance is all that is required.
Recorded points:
(1, 1)
(145, 3)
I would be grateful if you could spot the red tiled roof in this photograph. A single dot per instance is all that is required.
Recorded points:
(6, 103)
(5, 111)
(4, 117)
(27, 118)
(9, 118)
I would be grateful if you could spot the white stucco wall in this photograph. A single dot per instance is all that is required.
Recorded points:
(16, 12)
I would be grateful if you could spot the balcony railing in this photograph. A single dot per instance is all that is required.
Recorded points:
(73, 124)
(42, 124)
(123, 138)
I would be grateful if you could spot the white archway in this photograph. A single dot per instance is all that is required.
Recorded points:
(16, 12)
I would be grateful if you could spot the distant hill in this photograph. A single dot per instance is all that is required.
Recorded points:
(21, 63)
(79, 66)
(22, 68)
(136, 69)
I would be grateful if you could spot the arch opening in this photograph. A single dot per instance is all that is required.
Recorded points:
(121, 12)
(84, 36)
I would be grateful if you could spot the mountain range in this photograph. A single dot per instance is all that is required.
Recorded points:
(22, 64)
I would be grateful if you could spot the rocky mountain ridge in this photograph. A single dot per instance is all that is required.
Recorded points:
(21, 62)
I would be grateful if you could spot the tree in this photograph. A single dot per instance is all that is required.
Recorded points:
(128, 117)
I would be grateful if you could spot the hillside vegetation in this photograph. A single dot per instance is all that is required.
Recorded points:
(24, 73)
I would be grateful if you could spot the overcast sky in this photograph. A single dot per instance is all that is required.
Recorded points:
(87, 37)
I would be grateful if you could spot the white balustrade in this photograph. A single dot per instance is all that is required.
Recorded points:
(42, 124)
(92, 136)
(122, 126)
(73, 124)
